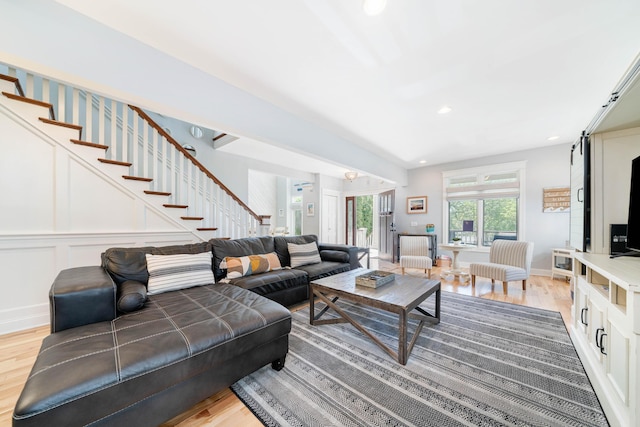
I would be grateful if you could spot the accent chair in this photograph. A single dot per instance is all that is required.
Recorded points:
(508, 261)
(414, 253)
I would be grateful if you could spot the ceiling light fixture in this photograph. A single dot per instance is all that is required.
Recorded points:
(373, 7)
(196, 132)
(553, 138)
(351, 175)
(422, 162)
(444, 110)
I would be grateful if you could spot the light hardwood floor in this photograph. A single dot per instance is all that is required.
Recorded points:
(18, 350)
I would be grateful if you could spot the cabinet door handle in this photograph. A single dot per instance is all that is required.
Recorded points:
(598, 336)
(583, 316)
(601, 345)
(579, 195)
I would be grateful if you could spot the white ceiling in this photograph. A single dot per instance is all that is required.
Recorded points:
(514, 72)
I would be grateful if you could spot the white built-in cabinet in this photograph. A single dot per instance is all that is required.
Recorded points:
(606, 330)
(611, 156)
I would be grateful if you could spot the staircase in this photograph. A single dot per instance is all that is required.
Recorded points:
(128, 145)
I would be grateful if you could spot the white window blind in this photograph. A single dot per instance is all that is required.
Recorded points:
(483, 184)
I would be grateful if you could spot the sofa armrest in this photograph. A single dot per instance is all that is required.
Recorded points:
(80, 296)
(351, 250)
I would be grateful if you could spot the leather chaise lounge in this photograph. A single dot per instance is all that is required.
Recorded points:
(119, 357)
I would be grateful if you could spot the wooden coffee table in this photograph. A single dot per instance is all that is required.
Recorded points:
(402, 296)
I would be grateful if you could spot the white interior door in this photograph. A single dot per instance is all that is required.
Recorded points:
(329, 217)
(386, 207)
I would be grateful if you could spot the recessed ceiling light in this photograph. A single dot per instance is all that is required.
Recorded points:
(373, 7)
(553, 138)
(444, 110)
(422, 161)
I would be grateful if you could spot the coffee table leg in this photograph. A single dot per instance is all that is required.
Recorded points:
(312, 308)
(402, 339)
(438, 305)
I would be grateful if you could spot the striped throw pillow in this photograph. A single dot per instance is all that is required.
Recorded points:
(303, 254)
(173, 272)
(250, 264)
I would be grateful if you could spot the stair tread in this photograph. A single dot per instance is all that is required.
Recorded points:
(89, 144)
(62, 124)
(58, 123)
(156, 193)
(47, 105)
(137, 178)
(175, 206)
(207, 228)
(192, 218)
(13, 80)
(115, 162)
(8, 78)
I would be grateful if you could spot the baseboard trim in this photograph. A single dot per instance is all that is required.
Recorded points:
(22, 318)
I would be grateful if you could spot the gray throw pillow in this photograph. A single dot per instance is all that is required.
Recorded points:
(303, 254)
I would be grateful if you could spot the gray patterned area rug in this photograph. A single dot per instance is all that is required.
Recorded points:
(485, 364)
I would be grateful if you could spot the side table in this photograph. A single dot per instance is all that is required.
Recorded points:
(456, 271)
(562, 262)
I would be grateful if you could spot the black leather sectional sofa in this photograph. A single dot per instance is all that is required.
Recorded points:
(289, 285)
(101, 366)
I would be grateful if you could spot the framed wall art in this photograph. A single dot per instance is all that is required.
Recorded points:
(311, 209)
(556, 199)
(417, 204)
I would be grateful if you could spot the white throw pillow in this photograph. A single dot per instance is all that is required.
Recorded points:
(172, 272)
(303, 254)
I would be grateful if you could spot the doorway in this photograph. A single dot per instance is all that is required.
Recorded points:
(360, 222)
(329, 216)
(386, 220)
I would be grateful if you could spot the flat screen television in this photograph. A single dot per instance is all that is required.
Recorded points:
(633, 222)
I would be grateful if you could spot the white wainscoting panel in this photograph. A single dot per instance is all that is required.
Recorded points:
(30, 263)
(26, 174)
(27, 273)
(94, 200)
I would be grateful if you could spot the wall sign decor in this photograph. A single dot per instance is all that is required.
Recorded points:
(556, 199)
(417, 204)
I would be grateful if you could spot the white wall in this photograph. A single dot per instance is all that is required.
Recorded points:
(311, 194)
(230, 169)
(263, 194)
(545, 167)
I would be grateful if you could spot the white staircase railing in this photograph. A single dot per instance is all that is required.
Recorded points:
(133, 137)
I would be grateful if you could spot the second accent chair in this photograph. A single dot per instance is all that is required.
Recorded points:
(414, 253)
(508, 261)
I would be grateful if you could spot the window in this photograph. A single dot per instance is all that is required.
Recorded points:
(484, 204)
